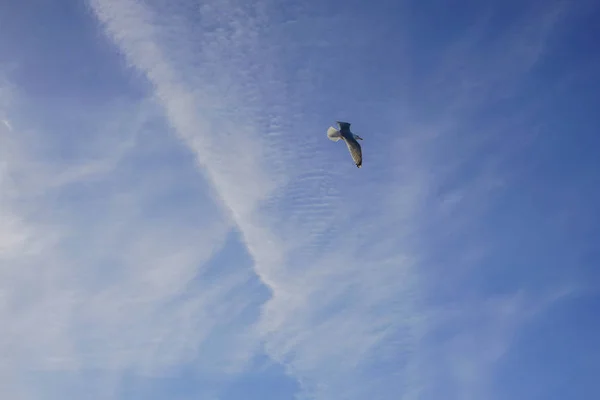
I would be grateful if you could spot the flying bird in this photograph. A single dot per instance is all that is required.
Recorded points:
(348, 137)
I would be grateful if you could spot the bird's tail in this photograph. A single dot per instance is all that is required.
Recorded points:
(333, 134)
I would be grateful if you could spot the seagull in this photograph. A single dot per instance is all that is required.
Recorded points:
(348, 137)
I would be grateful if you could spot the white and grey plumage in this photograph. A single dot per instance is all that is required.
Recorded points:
(347, 136)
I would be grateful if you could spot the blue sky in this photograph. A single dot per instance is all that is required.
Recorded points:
(176, 225)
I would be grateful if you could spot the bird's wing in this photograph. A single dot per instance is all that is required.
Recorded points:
(355, 151)
(343, 125)
(333, 134)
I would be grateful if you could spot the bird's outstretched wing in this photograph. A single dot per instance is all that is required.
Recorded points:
(355, 151)
(333, 134)
(344, 126)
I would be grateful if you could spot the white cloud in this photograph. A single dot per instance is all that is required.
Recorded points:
(342, 296)
(99, 273)
(283, 222)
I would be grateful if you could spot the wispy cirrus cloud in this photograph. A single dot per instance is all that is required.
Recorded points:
(346, 288)
(98, 271)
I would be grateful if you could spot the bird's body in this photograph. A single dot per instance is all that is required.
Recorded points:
(349, 138)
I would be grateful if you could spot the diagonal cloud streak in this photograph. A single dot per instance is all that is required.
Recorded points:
(281, 200)
(343, 255)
